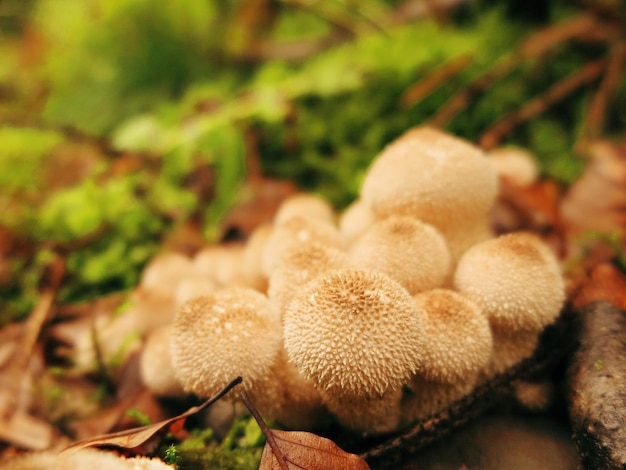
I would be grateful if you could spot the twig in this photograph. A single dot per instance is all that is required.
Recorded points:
(426, 86)
(280, 457)
(587, 74)
(610, 83)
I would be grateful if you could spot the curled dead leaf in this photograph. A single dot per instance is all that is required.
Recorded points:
(304, 450)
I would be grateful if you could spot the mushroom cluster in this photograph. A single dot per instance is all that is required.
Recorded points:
(381, 316)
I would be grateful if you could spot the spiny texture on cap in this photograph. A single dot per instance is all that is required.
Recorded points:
(515, 279)
(459, 343)
(407, 250)
(229, 333)
(80, 460)
(373, 415)
(510, 347)
(164, 271)
(433, 176)
(308, 206)
(354, 333)
(293, 233)
(355, 220)
(155, 364)
(299, 266)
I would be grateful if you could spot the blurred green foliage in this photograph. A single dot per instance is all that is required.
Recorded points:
(178, 86)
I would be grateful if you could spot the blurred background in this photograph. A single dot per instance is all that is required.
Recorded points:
(127, 125)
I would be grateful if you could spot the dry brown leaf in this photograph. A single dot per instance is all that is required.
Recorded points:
(304, 450)
(606, 283)
(27, 432)
(135, 437)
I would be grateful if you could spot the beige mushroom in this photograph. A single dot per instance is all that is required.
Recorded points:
(309, 206)
(355, 220)
(294, 232)
(252, 258)
(440, 179)
(299, 266)
(458, 342)
(221, 264)
(155, 364)
(409, 251)
(514, 164)
(354, 333)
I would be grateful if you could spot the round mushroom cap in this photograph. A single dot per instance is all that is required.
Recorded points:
(458, 343)
(252, 258)
(293, 233)
(355, 220)
(353, 333)
(514, 164)
(228, 333)
(155, 364)
(163, 272)
(220, 263)
(308, 206)
(193, 285)
(426, 173)
(299, 266)
(407, 250)
(515, 279)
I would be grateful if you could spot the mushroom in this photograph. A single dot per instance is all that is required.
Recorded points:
(354, 333)
(155, 364)
(300, 265)
(407, 250)
(459, 344)
(252, 258)
(163, 272)
(308, 206)
(294, 232)
(516, 281)
(228, 333)
(81, 459)
(221, 264)
(355, 220)
(440, 179)
(514, 164)
(193, 285)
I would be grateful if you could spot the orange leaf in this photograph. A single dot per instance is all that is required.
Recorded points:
(303, 450)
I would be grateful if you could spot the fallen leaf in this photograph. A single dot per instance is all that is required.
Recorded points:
(304, 450)
(131, 438)
(25, 431)
(606, 283)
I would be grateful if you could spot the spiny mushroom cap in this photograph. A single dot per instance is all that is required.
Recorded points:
(299, 266)
(293, 233)
(407, 250)
(515, 279)
(229, 333)
(155, 364)
(163, 272)
(355, 220)
(515, 164)
(81, 459)
(431, 175)
(458, 341)
(220, 263)
(510, 347)
(353, 333)
(309, 206)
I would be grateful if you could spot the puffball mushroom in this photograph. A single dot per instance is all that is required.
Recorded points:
(300, 265)
(294, 232)
(459, 343)
(438, 178)
(308, 206)
(354, 333)
(81, 459)
(228, 333)
(516, 281)
(164, 271)
(406, 249)
(155, 364)
(514, 164)
(354, 220)
(252, 258)
(220, 263)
